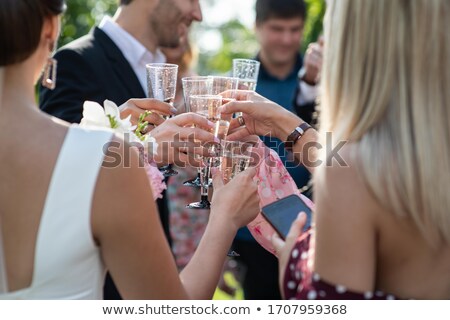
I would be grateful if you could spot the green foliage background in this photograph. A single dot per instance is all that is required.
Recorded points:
(237, 40)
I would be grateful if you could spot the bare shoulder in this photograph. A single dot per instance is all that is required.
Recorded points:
(127, 228)
(122, 187)
(345, 224)
(341, 182)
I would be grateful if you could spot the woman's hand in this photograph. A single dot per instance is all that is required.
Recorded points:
(178, 142)
(236, 203)
(136, 107)
(262, 117)
(283, 248)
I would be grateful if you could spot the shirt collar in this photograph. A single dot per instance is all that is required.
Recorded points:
(135, 53)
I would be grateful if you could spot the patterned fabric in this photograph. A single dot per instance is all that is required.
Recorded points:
(300, 282)
(274, 183)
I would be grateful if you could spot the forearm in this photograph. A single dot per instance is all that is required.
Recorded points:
(201, 276)
(305, 149)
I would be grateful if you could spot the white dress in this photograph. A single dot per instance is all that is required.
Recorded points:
(67, 263)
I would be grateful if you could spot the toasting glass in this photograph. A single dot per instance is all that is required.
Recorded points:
(195, 86)
(208, 107)
(247, 71)
(236, 157)
(162, 84)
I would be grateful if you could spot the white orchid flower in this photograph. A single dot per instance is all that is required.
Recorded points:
(113, 113)
(94, 115)
(109, 117)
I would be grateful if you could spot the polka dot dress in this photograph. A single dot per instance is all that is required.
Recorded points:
(303, 284)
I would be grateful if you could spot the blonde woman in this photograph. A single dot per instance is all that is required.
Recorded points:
(382, 218)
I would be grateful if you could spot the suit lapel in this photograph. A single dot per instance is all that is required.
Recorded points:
(120, 65)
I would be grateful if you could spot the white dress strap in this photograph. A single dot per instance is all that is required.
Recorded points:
(3, 277)
(65, 237)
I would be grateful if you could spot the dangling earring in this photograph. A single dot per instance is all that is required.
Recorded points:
(49, 77)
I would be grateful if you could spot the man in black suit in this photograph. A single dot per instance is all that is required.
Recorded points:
(109, 63)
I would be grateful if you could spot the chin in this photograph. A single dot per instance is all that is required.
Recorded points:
(170, 43)
(284, 57)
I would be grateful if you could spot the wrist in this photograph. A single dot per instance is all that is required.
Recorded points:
(295, 135)
(306, 78)
(219, 218)
(286, 124)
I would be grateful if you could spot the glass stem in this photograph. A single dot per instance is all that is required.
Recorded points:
(205, 181)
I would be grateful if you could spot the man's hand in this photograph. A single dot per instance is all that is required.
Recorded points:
(313, 62)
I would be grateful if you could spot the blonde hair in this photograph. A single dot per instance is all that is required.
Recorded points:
(385, 88)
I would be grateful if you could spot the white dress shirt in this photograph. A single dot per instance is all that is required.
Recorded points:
(136, 54)
(307, 93)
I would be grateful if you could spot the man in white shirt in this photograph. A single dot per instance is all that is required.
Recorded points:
(109, 63)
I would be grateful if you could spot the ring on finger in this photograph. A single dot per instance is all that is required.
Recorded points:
(241, 121)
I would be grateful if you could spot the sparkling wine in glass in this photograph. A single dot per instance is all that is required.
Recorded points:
(195, 86)
(162, 85)
(236, 157)
(247, 71)
(226, 87)
(206, 106)
(247, 84)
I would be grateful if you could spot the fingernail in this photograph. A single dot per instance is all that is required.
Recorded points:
(301, 215)
(216, 140)
(173, 110)
(211, 124)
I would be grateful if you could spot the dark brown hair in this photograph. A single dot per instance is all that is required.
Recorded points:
(124, 2)
(21, 24)
(284, 9)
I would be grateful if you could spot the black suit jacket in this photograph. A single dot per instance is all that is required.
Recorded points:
(90, 68)
(93, 68)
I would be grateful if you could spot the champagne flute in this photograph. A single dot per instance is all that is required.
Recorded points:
(247, 71)
(195, 86)
(227, 88)
(236, 157)
(162, 84)
(208, 107)
(224, 86)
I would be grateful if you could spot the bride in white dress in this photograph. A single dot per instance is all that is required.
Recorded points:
(64, 217)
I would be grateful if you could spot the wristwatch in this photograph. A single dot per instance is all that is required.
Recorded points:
(302, 77)
(295, 135)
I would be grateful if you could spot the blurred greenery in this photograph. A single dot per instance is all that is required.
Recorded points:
(238, 41)
(234, 38)
(81, 15)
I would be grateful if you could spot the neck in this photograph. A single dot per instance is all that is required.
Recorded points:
(18, 95)
(136, 25)
(277, 70)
